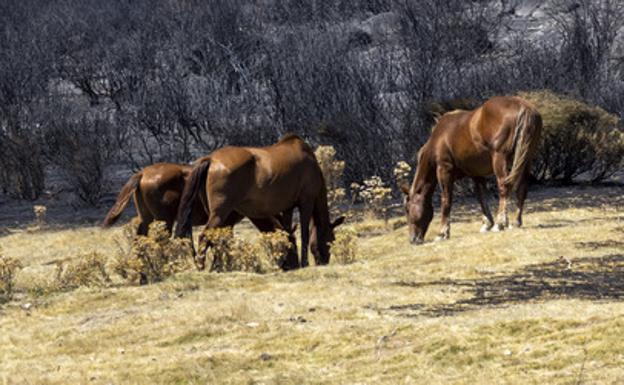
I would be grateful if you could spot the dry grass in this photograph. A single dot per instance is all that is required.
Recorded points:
(537, 305)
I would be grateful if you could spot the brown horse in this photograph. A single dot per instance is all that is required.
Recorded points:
(156, 191)
(503, 132)
(262, 182)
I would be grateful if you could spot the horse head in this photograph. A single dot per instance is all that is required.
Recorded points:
(418, 211)
(320, 248)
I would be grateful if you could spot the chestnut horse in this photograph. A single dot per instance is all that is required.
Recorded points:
(503, 133)
(261, 182)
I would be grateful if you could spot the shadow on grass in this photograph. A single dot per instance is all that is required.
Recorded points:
(597, 278)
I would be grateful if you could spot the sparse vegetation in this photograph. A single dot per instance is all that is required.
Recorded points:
(84, 271)
(154, 257)
(332, 171)
(375, 195)
(541, 304)
(8, 268)
(577, 139)
(230, 253)
(344, 248)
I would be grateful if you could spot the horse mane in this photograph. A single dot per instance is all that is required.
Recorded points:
(289, 137)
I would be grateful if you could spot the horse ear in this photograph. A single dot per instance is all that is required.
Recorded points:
(405, 189)
(340, 220)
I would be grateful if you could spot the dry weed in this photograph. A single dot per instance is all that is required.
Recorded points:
(8, 269)
(344, 248)
(375, 195)
(230, 253)
(152, 258)
(332, 169)
(87, 270)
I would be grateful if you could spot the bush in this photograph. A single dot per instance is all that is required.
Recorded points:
(332, 171)
(375, 195)
(577, 139)
(8, 269)
(344, 248)
(401, 173)
(154, 257)
(229, 253)
(87, 270)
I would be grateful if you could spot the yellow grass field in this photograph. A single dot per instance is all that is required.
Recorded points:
(538, 305)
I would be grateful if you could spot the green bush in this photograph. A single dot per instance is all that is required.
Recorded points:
(577, 139)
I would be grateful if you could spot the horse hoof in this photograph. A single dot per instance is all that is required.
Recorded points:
(498, 228)
(485, 228)
(440, 238)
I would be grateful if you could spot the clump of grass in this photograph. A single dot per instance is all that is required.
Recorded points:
(229, 253)
(88, 270)
(375, 195)
(401, 173)
(152, 258)
(8, 269)
(344, 248)
(332, 169)
(40, 215)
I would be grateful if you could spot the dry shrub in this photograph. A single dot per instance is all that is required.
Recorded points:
(40, 214)
(332, 171)
(401, 173)
(577, 139)
(344, 248)
(154, 257)
(230, 253)
(375, 195)
(87, 270)
(8, 269)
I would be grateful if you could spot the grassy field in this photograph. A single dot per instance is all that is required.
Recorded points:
(536, 305)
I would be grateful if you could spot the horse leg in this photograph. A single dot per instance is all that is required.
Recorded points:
(218, 218)
(521, 194)
(305, 214)
(499, 163)
(145, 215)
(488, 220)
(445, 179)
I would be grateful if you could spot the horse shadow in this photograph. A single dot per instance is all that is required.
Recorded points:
(589, 278)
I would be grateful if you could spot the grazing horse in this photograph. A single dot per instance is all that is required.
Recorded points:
(503, 133)
(157, 190)
(261, 182)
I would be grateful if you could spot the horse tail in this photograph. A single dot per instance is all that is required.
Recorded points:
(526, 137)
(122, 199)
(191, 189)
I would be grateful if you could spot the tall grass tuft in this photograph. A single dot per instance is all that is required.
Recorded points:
(8, 269)
(154, 257)
(229, 253)
(87, 270)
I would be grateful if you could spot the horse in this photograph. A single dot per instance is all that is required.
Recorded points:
(504, 132)
(157, 189)
(262, 182)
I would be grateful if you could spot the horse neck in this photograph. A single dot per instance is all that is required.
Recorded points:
(321, 212)
(425, 176)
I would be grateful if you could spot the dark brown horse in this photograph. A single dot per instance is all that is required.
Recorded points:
(499, 138)
(261, 182)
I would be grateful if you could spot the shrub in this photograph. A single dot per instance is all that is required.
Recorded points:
(8, 269)
(230, 253)
(375, 195)
(154, 257)
(577, 139)
(87, 270)
(40, 215)
(344, 248)
(401, 173)
(332, 171)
